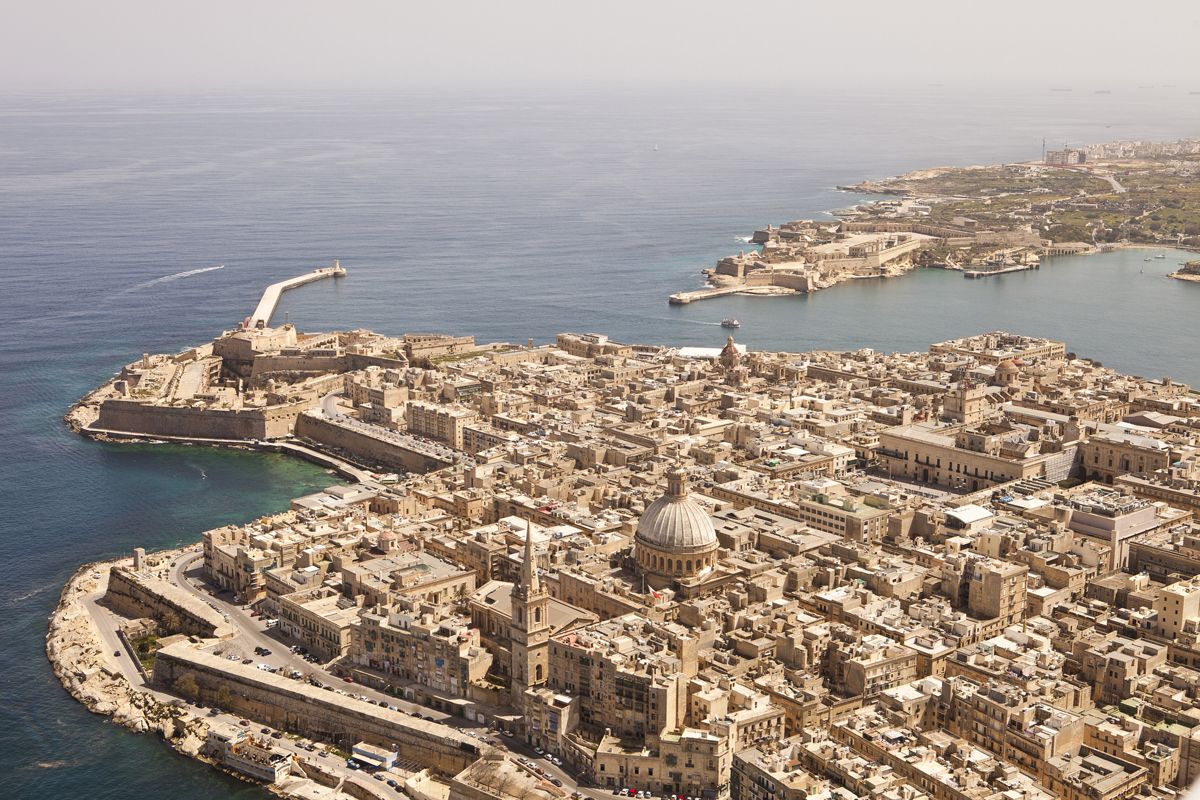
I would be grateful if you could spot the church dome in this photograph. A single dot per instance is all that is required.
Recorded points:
(674, 523)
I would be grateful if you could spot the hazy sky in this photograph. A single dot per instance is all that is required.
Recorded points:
(262, 44)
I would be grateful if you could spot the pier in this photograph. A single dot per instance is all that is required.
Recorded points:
(261, 317)
(683, 298)
(985, 273)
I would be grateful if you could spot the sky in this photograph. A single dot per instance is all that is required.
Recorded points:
(185, 45)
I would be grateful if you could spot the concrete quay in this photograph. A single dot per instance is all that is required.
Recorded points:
(261, 317)
(341, 466)
(683, 298)
(986, 273)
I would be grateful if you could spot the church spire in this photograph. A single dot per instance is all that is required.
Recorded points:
(530, 583)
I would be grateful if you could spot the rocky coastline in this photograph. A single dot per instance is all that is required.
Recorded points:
(76, 651)
(1189, 272)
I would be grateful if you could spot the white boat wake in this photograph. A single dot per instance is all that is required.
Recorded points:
(169, 278)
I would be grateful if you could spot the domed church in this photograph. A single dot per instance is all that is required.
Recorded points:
(675, 537)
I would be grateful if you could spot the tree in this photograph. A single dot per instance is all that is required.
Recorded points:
(224, 698)
(186, 685)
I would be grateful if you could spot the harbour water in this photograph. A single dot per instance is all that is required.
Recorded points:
(505, 216)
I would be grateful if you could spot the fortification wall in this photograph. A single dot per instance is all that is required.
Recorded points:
(799, 281)
(936, 231)
(130, 416)
(364, 446)
(134, 595)
(362, 361)
(273, 364)
(299, 707)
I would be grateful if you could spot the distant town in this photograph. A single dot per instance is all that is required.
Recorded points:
(982, 221)
(594, 568)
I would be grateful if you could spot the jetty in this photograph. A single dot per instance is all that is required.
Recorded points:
(683, 298)
(988, 272)
(261, 317)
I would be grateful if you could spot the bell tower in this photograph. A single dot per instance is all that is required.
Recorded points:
(530, 633)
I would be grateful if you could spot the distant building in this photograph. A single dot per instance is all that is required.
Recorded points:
(1065, 158)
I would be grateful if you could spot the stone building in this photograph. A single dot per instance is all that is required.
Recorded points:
(675, 537)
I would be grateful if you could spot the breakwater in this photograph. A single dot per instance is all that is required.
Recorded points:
(270, 297)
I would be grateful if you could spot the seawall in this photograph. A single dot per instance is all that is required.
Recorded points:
(390, 449)
(299, 707)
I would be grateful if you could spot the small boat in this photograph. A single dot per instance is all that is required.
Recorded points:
(1161, 255)
(730, 322)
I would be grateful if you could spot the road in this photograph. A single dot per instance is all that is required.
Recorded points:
(253, 632)
(1112, 181)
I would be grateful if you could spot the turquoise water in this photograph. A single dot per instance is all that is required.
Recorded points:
(508, 216)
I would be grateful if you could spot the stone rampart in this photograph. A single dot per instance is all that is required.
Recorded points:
(365, 447)
(130, 416)
(134, 594)
(299, 707)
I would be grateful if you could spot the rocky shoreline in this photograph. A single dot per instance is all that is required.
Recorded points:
(76, 652)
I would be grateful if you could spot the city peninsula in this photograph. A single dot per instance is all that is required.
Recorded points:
(981, 221)
(595, 568)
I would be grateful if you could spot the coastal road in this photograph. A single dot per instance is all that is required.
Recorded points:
(252, 632)
(106, 624)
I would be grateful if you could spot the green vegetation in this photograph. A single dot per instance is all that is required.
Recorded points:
(186, 685)
(993, 181)
(1160, 203)
(450, 358)
(145, 647)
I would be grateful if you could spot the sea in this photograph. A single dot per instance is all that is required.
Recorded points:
(147, 223)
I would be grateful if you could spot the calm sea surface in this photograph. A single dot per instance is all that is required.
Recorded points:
(507, 216)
